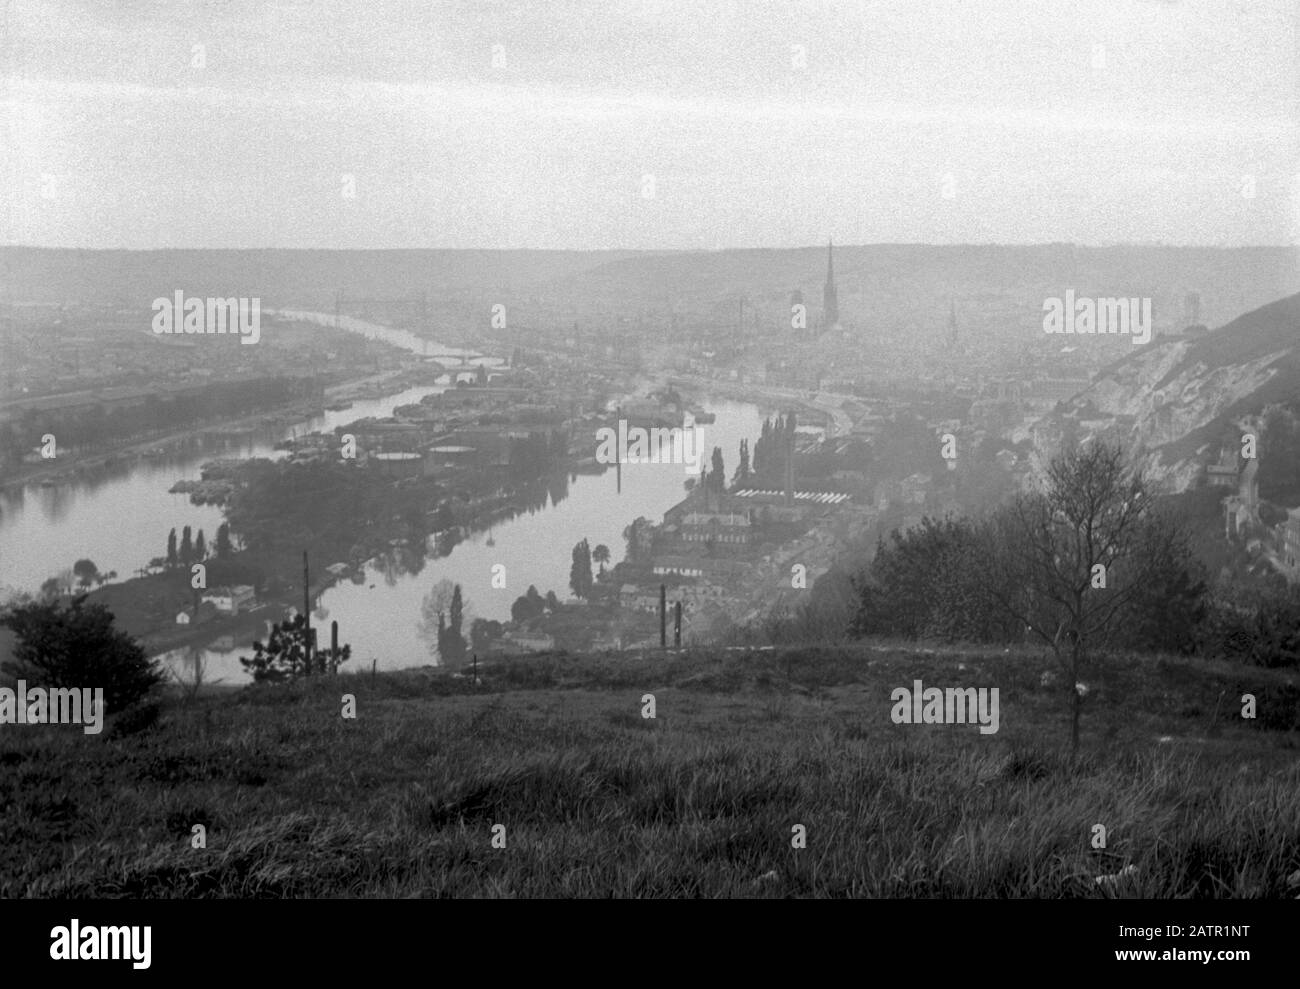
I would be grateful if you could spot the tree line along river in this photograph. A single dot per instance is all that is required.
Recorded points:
(120, 517)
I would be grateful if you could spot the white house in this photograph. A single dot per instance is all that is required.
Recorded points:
(205, 612)
(231, 600)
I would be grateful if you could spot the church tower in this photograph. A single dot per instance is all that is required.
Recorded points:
(830, 301)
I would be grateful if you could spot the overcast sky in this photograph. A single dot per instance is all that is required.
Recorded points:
(892, 120)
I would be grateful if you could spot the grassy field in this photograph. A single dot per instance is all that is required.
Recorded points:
(700, 801)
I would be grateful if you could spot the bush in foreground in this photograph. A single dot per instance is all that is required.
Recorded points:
(76, 645)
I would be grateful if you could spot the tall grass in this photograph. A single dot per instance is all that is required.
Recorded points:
(700, 801)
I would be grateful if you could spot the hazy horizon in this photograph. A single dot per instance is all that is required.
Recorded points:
(649, 127)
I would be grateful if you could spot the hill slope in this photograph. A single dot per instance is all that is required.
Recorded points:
(700, 800)
(1173, 401)
(883, 288)
(283, 278)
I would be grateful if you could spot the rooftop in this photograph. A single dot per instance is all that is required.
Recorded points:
(815, 497)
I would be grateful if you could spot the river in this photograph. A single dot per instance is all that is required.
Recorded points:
(380, 617)
(120, 519)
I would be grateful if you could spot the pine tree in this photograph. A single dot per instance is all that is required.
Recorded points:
(631, 533)
(718, 475)
(172, 559)
(200, 548)
(187, 547)
(224, 548)
(457, 610)
(451, 642)
(284, 656)
(742, 471)
(519, 611)
(760, 448)
(580, 579)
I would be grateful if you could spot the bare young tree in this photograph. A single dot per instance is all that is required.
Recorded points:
(435, 606)
(191, 686)
(1071, 561)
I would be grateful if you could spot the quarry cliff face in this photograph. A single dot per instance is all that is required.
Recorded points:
(1172, 403)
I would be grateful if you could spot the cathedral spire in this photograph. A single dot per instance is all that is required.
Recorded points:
(830, 299)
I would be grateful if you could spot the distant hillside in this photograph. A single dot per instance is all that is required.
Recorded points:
(278, 277)
(892, 288)
(882, 284)
(1173, 401)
